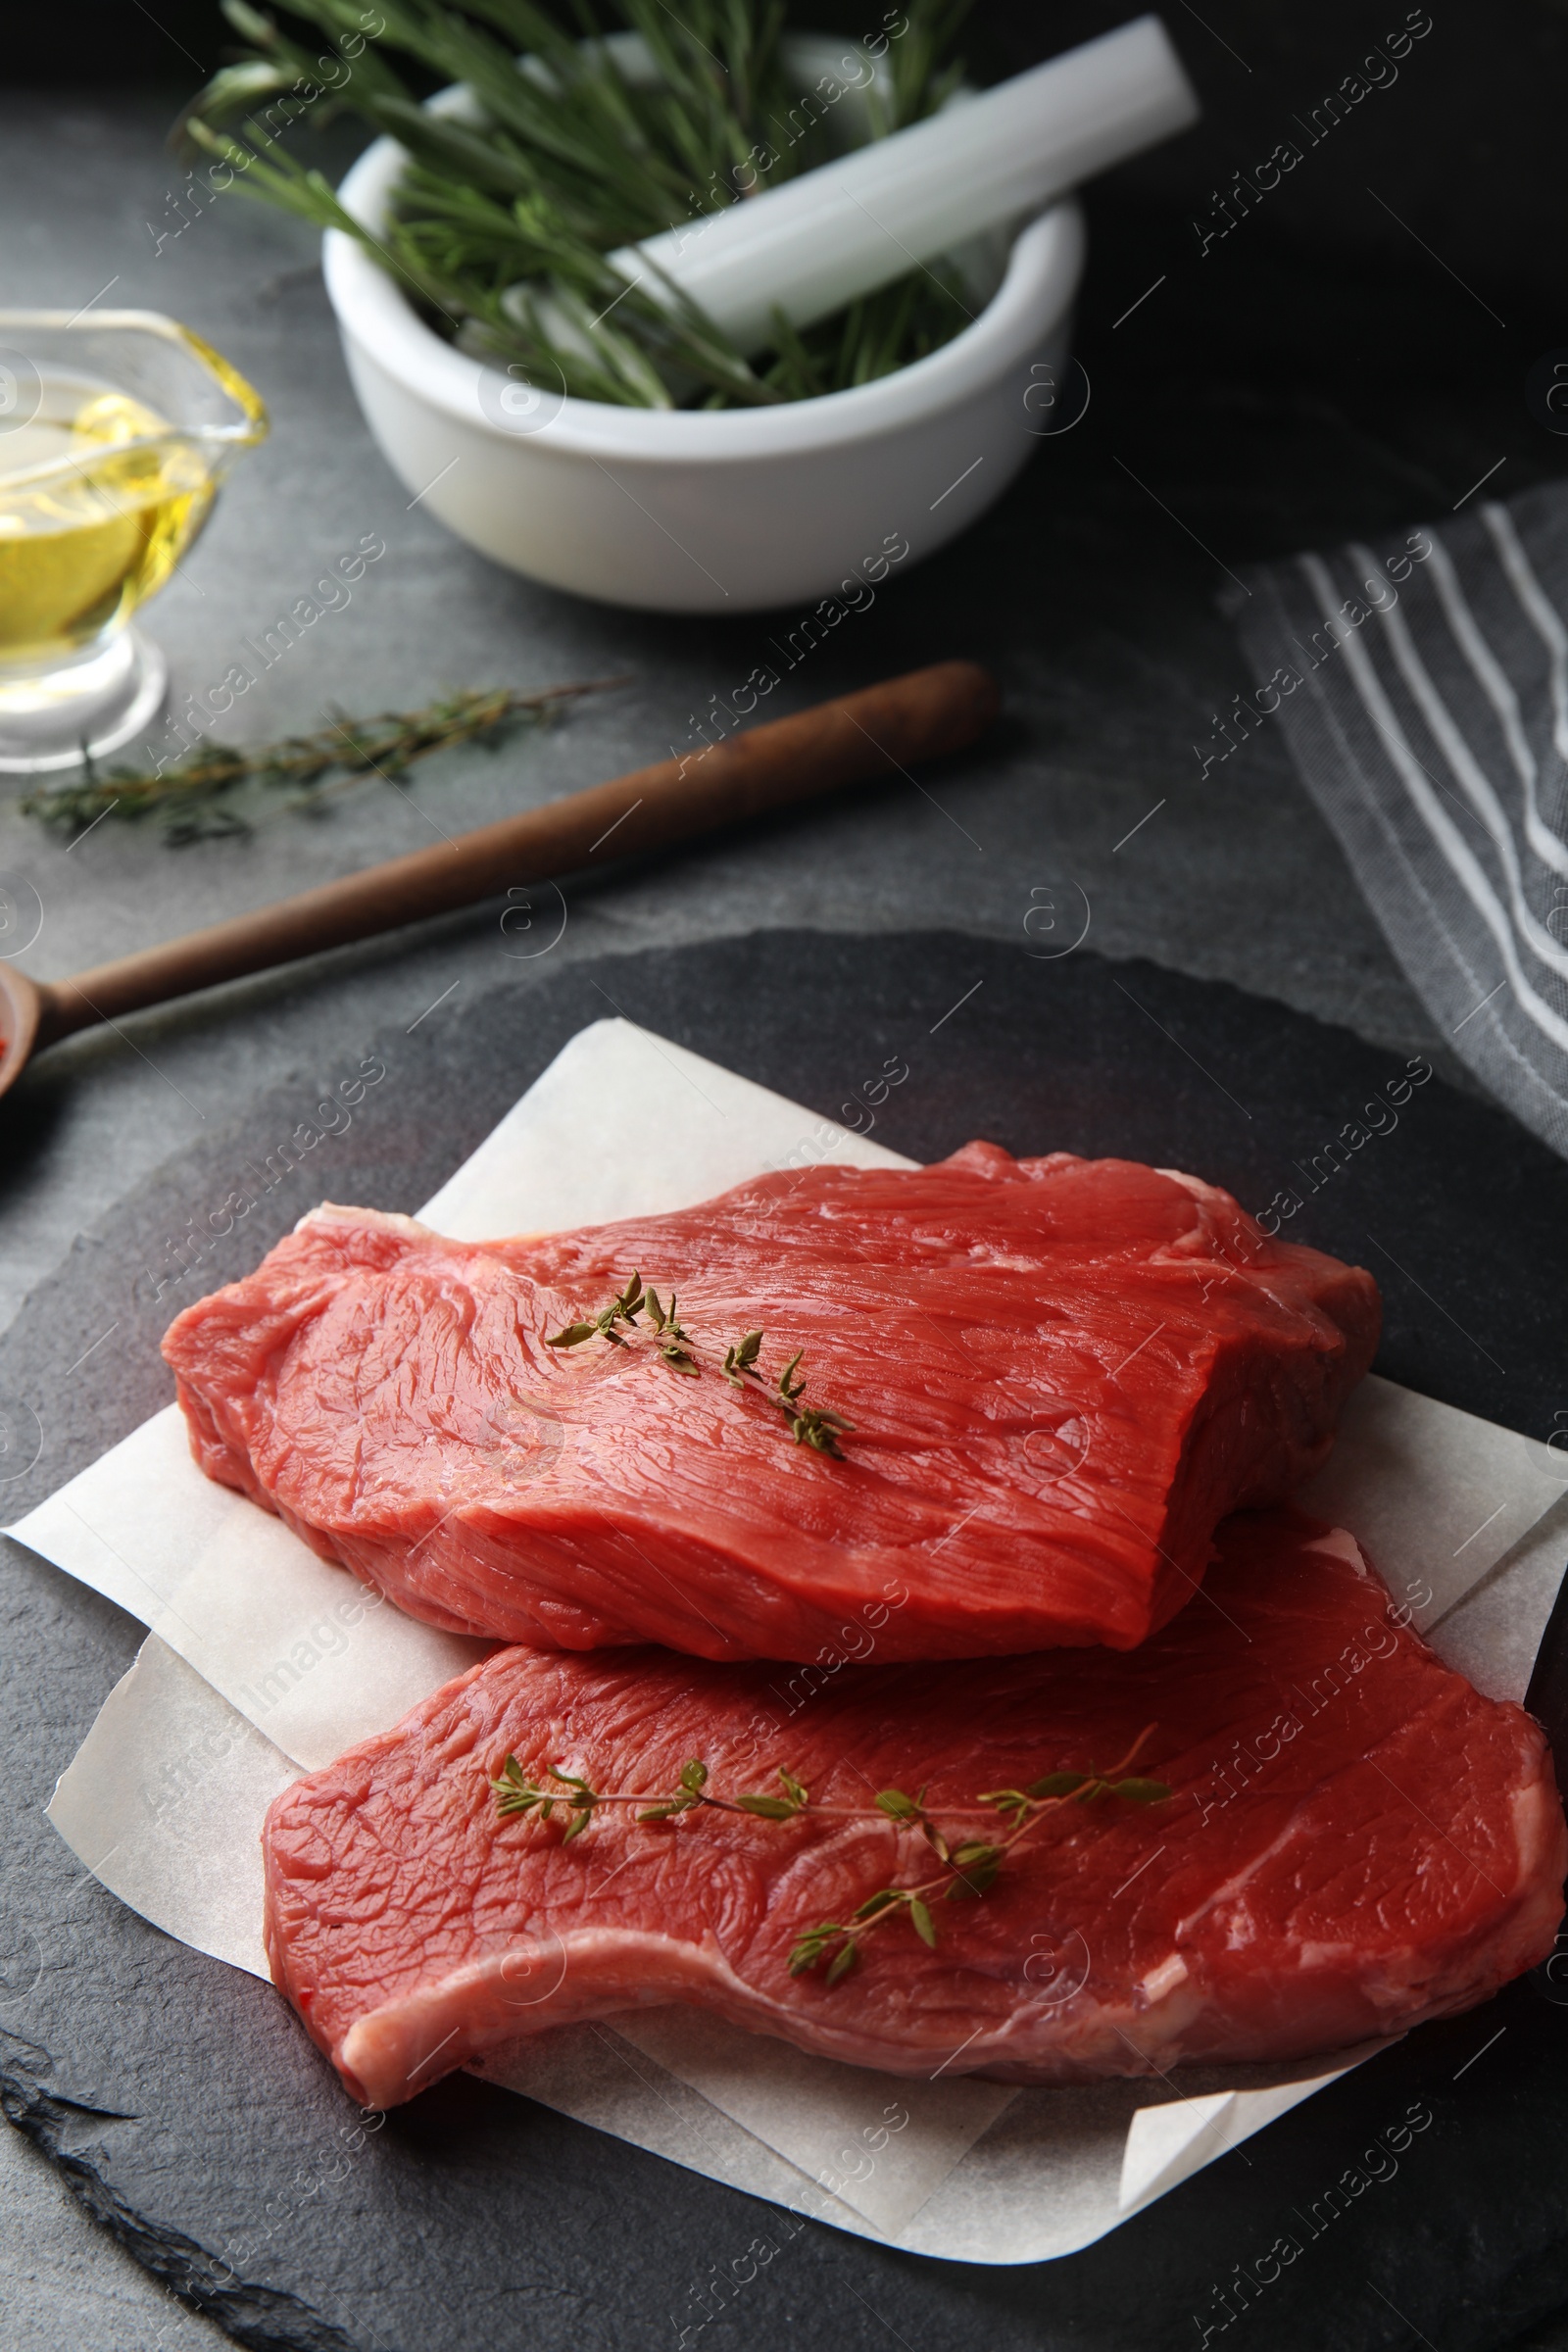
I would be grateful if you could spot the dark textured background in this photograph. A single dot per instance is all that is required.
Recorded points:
(192, 2113)
(1321, 370)
(1326, 368)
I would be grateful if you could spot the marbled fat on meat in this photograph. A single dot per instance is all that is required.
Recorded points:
(1356, 1841)
(1063, 1374)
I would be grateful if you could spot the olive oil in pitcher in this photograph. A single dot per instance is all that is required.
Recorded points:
(99, 496)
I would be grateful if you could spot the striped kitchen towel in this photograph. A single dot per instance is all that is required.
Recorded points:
(1422, 684)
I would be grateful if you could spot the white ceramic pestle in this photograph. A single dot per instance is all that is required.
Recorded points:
(812, 244)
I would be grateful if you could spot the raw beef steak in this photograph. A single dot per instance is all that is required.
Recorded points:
(1062, 1375)
(1355, 1841)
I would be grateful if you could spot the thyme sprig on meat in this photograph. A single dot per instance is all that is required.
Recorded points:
(968, 1869)
(624, 1307)
(811, 1425)
(968, 1866)
(516, 1793)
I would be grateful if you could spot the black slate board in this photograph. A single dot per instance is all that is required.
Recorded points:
(182, 2101)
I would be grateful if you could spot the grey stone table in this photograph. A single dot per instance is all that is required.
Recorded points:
(1227, 423)
(1097, 610)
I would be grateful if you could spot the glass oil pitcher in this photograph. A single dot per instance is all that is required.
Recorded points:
(117, 429)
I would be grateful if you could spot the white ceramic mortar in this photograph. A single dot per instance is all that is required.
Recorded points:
(730, 511)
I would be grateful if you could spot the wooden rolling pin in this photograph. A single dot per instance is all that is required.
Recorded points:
(849, 740)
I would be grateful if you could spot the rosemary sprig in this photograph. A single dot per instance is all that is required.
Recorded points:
(501, 224)
(813, 1425)
(970, 1867)
(191, 800)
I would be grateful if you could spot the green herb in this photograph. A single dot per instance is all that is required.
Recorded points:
(693, 1781)
(969, 1869)
(795, 1801)
(516, 1793)
(624, 1307)
(811, 1425)
(672, 1340)
(191, 800)
(742, 1358)
(501, 224)
(1081, 1786)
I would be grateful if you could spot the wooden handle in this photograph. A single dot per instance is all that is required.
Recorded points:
(919, 716)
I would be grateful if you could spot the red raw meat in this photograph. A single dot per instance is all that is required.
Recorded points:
(1063, 1374)
(1356, 1841)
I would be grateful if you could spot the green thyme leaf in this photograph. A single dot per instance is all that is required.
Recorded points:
(921, 1921)
(513, 1792)
(811, 1948)
(742, 1357)
(875, 1905)
(846, 1959)
(978, 1867)
(896, 1805)
(1141, 1793)
(794, 1800)
(1060, 1784)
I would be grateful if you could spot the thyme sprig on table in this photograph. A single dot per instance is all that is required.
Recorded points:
(505, 218)
(968, 1866)
(811, 1425)
(190, 800)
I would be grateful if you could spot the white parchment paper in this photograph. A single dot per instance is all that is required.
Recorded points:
(263, 1658)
